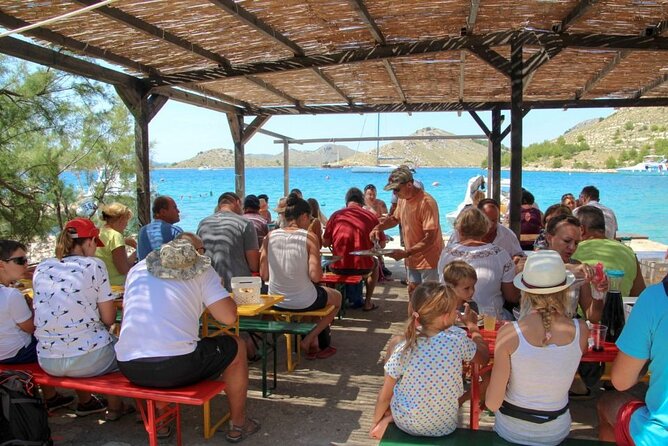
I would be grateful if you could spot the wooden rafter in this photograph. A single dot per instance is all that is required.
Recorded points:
(254, 127)
(619, 57)
(195, 99)
(650, 86)
(233, 8)
(43, 56)
(377, 34)
(575, 14)
(256, 23)
(267, 86)
(363, 12)
(492, 58)
(602, 41)
(470, 24)
(140, 25)
(69, 43)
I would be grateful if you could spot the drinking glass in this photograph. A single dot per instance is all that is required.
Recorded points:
(598, 333)
(489, 318)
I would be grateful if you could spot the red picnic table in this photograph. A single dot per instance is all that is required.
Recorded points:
(608, 354)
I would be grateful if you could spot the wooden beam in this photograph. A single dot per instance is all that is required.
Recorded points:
(155, 104)
(596, 78)
(126, 19)
(517, 77)
(394, 79)
(43, 56)
(575, 13)
(267, 86)
(462, 73)
(493, 59)
(473, 16)
(254, 127)
(381, 52)
(250, 19)
(495, 159)
(378, 138)
(363, 13)
(236, 123)
(480, 123)
(196, 100)
(659, 81)
(327, 80)
(86, 49)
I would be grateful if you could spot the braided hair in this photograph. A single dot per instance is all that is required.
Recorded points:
(546, 305)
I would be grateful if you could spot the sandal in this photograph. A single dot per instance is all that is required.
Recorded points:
(165, 431)
(312, 354)
(238, 433)
(115, 415)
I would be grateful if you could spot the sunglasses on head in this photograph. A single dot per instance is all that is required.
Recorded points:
(23, 260)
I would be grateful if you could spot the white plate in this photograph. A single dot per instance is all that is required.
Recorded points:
(372, 252)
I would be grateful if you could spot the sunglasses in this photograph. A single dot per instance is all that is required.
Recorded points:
(23, 260)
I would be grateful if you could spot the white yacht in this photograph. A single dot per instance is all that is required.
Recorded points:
(650, 165)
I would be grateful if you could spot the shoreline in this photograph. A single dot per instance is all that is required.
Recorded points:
(503, 169)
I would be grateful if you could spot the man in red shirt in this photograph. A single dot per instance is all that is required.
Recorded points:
(348, 230)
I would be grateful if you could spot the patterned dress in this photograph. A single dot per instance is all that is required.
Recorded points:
(429, 382)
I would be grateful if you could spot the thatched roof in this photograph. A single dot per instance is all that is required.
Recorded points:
(318, 56)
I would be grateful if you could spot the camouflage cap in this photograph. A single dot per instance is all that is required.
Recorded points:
(400, 175)
(178, 260)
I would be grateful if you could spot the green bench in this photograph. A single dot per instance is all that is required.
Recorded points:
(273, 328)
(464, 437)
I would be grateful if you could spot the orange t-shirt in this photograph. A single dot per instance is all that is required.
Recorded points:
(418, 215)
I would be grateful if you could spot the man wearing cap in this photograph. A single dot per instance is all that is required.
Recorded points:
(162, 229)
(252, 213)
(417, 212)
(347, 231)
(230, 240)
(170, 288)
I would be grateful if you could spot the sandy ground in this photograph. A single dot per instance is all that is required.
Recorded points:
(323, 402)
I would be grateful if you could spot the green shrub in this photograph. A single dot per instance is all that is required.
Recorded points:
(654, 128)
(611, 163)
(557, 164)
(628, 126)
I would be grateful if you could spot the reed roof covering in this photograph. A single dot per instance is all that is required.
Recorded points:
(324, 56)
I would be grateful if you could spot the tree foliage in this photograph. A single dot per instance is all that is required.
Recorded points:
(58, 134)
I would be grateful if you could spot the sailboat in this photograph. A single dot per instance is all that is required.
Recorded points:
(378, 168)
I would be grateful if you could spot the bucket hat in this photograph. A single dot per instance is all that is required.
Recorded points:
(544, 273)
(178, 260)
(83, 228)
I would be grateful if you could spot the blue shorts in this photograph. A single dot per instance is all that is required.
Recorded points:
(26, 355)
(417, 276)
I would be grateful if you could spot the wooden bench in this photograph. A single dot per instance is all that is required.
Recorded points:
(273, 328)
(199, 394)
(339, 282)
(464, 437)
(295, 316)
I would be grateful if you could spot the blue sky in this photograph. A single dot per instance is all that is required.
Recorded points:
(180, 131)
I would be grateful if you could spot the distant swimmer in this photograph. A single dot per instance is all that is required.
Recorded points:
(435, 183)
(327, 177)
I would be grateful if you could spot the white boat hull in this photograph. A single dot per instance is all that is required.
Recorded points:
(373, 169)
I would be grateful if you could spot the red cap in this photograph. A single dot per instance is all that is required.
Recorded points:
(83, 228)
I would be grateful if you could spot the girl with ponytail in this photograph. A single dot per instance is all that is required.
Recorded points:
(423, 376)
(535, 359)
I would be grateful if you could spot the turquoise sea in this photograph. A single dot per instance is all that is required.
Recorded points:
(640, 202)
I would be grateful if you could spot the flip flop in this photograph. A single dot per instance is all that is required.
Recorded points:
(373, 307)
(311, 355)
(326, 352)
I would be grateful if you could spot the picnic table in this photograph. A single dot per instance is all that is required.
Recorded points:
(608, 354)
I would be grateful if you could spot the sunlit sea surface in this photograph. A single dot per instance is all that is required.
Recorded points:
(640, 202)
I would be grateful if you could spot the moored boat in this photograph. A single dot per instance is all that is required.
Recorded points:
(650, 165)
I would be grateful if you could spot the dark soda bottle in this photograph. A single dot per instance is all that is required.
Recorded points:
(613, 310)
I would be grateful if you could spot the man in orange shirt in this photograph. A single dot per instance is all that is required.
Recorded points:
(417, 212)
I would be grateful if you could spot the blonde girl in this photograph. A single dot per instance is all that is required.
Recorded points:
(535, 359)
(116, 217)
(423, 376)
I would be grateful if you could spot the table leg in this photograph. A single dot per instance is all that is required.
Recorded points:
(475, 397)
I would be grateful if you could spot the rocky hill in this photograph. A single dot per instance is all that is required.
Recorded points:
(620, 139)
(421, 153)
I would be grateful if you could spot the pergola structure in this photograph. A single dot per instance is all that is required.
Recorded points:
(262, 58)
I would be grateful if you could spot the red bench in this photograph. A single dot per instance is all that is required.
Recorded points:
(117, 384)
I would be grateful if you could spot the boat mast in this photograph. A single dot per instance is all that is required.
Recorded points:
(378, 140)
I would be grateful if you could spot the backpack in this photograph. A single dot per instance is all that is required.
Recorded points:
(24, 420)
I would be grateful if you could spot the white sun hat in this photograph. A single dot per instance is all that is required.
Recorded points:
(544, 273)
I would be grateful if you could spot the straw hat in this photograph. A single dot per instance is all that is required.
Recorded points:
(178, 260)
(544, 273)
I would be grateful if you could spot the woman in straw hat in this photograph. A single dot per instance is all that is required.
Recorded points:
(535, 358)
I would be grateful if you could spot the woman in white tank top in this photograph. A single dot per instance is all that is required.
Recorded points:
(290, 262)
(535, 359)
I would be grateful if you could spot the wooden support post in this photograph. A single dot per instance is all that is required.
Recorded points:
(495, 159)
(286, 167)
(143, 108)
(236, 123)
(516, 80)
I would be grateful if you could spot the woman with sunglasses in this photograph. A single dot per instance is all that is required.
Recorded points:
(73, 309)
(17, 344)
